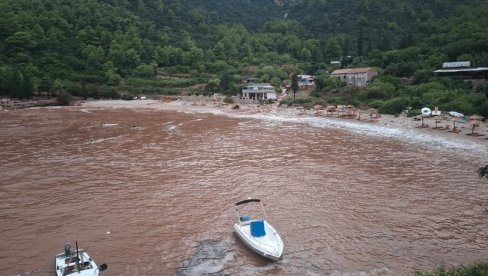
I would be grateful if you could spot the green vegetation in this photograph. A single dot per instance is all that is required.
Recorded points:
(470, 270)
(64, 98)
(228, 100)
(122, 48)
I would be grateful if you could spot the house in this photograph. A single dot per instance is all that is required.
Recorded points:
(259, 91)
(355, 76)
(305, 81)
(462, 70)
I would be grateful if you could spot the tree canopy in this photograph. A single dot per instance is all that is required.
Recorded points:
(108, 47)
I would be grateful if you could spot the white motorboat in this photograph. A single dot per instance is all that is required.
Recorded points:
(257, 233)
(77, 263)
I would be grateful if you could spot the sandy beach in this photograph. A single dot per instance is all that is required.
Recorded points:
(431, 131)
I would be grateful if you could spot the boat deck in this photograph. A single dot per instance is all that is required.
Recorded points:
(270, 243)
(67, 265)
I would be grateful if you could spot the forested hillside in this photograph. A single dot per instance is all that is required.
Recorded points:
(110, 48)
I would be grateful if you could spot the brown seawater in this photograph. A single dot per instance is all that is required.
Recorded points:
(163, 184)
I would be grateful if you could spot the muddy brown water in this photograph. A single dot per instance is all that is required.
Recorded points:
(152, 192)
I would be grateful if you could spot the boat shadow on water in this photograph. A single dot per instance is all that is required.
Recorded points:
(211, 257)
(220, 258)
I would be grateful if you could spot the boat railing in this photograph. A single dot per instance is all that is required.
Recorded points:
(266, 244)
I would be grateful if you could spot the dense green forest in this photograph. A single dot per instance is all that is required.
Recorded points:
(122, 48)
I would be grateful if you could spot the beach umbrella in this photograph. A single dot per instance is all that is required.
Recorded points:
(454, 120)
(317, 107)
(372, 111)
(475, 120)
(351, 107)
(331, 109)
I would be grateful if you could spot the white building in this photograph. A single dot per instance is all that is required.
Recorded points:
(259, 91)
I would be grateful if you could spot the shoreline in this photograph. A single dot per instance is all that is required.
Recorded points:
(386, 126)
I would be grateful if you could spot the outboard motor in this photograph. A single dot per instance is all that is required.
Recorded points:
(102, 267)
(67, 249)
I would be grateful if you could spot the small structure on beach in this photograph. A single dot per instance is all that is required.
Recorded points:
(318, 108)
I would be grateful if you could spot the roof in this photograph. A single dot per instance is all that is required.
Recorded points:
(258, 85)
(478, 69)
(352, 71)
(456, 64)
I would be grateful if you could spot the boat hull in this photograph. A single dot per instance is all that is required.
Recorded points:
(67, 265)
(269, 246)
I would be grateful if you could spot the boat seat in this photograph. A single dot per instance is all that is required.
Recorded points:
(245, 218)
(257, 228)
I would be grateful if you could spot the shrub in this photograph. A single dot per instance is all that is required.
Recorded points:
(483, 109)
(473, 269)
(414, 112)
(228, 100)
(380, 90)
(394, 106)
(376, 104)
(460, 106)
(315, 93)
(64, 98)
(127, 97)
(304, 100)
(337, 100)
(416, 102)
(108, 92)
(145, 71)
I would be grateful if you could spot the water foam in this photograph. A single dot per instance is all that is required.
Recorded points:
(374, 130)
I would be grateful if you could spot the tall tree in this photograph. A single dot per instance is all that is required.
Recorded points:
(289, 69)
(294, 85)
(362, 21)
